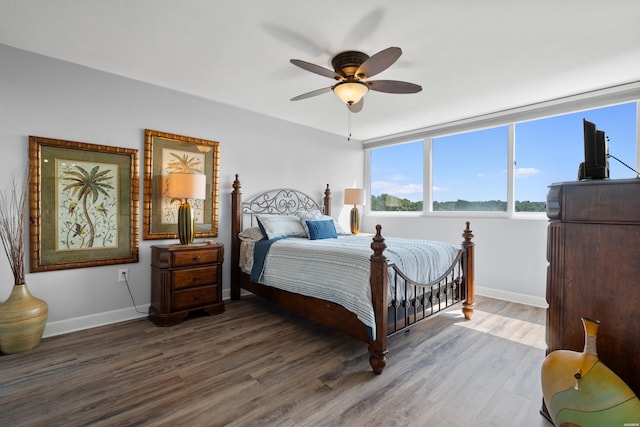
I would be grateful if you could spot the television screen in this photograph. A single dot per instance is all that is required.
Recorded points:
(596, 153)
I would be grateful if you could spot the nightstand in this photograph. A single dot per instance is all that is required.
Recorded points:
(185, 278)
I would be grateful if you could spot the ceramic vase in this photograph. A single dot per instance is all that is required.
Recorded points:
(579, 390)
(22, 321)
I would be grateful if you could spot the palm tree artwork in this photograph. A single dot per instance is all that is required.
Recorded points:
(88, 205)
(178, 161)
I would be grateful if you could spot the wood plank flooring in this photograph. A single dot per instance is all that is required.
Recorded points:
(258, 365)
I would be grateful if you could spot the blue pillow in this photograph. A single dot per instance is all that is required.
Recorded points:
(322, 230)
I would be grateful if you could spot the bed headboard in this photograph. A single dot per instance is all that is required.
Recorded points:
(279, 201)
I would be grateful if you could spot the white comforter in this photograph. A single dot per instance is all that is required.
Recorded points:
(337, 270)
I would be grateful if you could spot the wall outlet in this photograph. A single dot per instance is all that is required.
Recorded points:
(123, 275)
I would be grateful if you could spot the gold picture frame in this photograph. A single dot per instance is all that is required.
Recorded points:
(83, 204)
(165, 153)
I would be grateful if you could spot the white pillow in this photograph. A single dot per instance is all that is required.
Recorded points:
(281, 226)
(339, 228)
(312, 215)
(316, 215)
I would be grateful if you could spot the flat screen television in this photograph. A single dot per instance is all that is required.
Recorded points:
(596, 153)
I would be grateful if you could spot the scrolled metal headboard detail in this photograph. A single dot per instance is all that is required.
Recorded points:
(280, 201)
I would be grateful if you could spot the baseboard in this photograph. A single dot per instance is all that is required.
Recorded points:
(512, 297)
(100, 319)
(226, 293)
(94, 320)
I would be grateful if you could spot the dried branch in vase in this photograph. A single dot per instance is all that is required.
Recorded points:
(13, 204)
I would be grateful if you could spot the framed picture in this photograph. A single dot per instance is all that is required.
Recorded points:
(83, 204)
(165, 153)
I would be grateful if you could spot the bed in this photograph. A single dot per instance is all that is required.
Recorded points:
(396, 300)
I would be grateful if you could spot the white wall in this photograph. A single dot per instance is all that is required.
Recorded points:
(510, 253)
(50, 98)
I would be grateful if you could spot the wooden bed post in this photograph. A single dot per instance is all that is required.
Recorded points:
(378, 280)
(327, 201)
(236, 228)
(469, 271)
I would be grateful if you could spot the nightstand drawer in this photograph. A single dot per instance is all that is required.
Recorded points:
(191, 277)
(196, 257)
(185, 278)
(195, 298)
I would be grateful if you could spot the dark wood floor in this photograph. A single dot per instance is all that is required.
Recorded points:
(257, 365)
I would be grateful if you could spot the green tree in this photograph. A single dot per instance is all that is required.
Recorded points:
(387, 202)
(86, 184)
(184, 164)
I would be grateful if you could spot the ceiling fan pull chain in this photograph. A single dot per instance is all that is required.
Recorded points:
(349, 121)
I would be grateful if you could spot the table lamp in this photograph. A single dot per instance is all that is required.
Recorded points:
(186, 186)
(354, 196)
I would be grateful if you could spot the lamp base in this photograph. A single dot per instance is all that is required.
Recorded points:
(186, 223)
(355, 220)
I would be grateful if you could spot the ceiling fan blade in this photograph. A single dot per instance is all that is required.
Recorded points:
(394, 86)
(357, 107)
(378, 62)
(316, 69)
(312, 93)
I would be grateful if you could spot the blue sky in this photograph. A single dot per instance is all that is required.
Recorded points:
(473, 166)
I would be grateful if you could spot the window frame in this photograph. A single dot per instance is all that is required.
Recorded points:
(582, 102)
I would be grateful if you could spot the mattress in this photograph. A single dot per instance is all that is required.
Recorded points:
(337, 270)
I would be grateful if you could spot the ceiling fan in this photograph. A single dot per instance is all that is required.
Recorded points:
(352, 69)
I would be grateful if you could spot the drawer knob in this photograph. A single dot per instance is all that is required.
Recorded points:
(197, 297)
(196, 278)
(196, 258)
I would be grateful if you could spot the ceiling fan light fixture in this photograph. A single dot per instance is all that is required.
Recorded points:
(350, 92)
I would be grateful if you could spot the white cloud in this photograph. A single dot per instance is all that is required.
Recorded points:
(437, 189)
(395, 188)
(526, 172)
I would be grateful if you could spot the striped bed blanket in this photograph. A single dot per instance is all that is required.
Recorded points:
(337, 270)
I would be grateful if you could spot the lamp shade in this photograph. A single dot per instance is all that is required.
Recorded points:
(354, 196)
(350, 92)
(186, 186)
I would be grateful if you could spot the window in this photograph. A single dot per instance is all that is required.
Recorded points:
(549, 150)
(397, 174)
(470, 171)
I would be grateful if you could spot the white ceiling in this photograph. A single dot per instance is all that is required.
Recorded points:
(470, 56)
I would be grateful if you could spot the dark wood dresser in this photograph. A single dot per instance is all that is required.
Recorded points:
(185, 278)
(593, 250)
